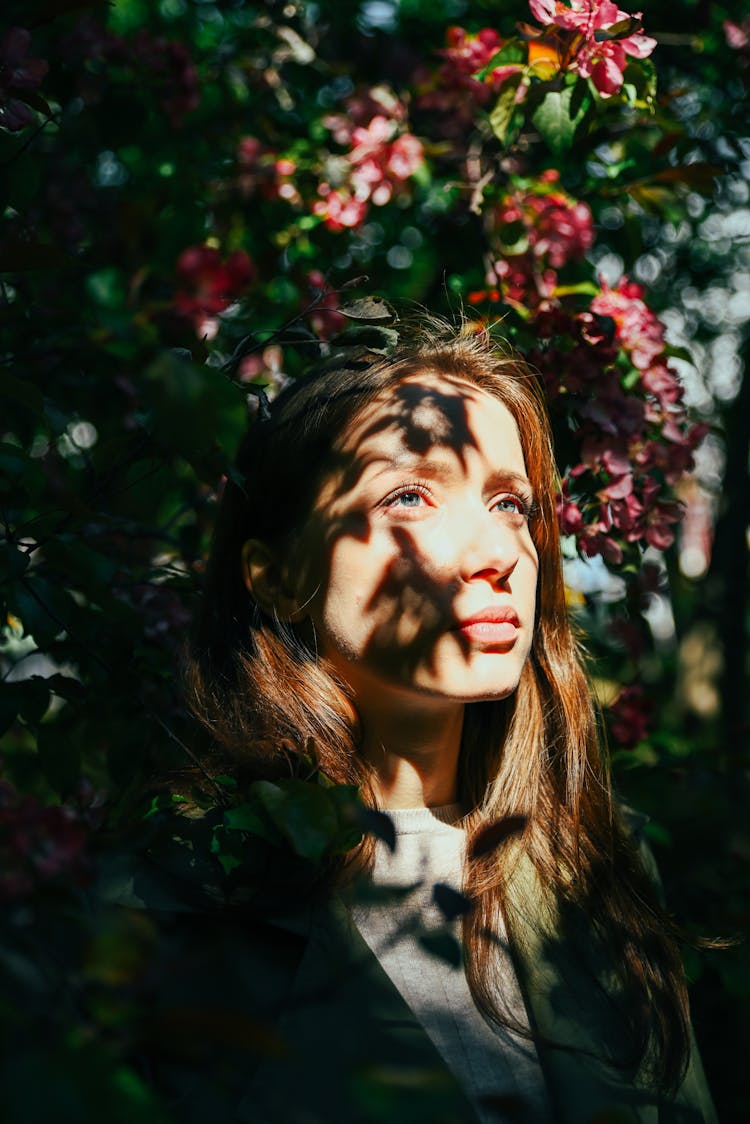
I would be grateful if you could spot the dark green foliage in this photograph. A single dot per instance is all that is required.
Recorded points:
(169, 253)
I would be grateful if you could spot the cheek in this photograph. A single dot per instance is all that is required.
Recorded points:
(344, 587)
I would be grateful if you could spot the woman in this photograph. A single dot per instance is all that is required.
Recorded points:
(385, 591)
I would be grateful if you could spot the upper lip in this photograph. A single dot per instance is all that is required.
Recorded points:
(493, 614)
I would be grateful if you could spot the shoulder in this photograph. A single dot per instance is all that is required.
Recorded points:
(267, 1005)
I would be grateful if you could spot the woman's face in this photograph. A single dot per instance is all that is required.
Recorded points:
(416, 564)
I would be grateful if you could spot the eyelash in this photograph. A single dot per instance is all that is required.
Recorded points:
(526, 509)
(404, 489)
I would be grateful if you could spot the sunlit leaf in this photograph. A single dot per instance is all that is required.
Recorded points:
(560, 115)
(502, 112)
(375, 309)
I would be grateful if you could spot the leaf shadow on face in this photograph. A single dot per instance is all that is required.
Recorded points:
(411, 603)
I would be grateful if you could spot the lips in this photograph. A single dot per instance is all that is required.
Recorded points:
(497, 625)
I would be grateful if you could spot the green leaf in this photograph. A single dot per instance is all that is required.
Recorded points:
(640, 74)
(369, 308)
(163, 801)
(249, 817)
(658, 833)
(227, 782)
(675, 352)
(63, 685)
(621, 30)
(24, 393)
(59, 757)
(13, 562)
(303, 812)
(21, 472)
(502, 112)
(560, 114)
(512, 51)
(10, 695)
(582, 288)
(44, 609)
(33, 700)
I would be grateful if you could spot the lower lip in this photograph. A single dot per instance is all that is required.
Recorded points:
(490, 632)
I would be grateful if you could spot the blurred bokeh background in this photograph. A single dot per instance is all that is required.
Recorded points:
(190, 191)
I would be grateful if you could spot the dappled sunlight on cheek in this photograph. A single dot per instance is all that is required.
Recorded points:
(407, 609)
(420, 524)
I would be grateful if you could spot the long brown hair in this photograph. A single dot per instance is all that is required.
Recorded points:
(260, 691)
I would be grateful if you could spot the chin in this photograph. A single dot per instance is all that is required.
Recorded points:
(470, 688)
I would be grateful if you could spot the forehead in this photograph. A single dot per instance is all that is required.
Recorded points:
(429, 411)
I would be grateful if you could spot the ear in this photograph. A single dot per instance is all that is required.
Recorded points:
(264, 579)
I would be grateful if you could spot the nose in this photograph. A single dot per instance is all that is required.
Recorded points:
(490, 550)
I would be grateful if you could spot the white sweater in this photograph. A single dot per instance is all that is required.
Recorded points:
(499, 1069)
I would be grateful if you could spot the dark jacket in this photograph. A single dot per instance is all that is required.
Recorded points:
(277, 1012)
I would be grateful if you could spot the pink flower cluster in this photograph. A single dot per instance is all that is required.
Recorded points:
(39, 846)
(259, 168)
(465, 55)
(208, 284)
(166, 64)
(382, 157)
(20, 76)
(539, 229)
(589, 51)
(738, 38)
(325, 321)
(454, 90)
(630, 716)
(635, 445)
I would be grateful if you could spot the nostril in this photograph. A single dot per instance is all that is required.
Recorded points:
(496, 575)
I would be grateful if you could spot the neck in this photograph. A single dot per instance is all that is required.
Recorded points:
(413, 752)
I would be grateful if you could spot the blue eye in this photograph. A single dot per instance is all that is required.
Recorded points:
(408, 496)
(408, 499)
(512, 505)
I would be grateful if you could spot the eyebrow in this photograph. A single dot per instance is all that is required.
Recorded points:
(444, 471)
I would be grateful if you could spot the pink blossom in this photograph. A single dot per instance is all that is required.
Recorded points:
(738, 35)
(603, 62)
(339, 208)
(40, 845)
(381, 161)
(556, 229)
(596, 539)
(169, 63)
(662, 383)
(521, 281)
(266, 365)
(324, 320)
(603, 452)
(626, 515)
(638, 329)
(405, 157)
(630, 716)
(19, 76)
(466, 54)
(361, 107)
(569, 515)
(564, 228)
(248, 152)
(271, 174)
(454, 91)
(659, 515)
(208, 284)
